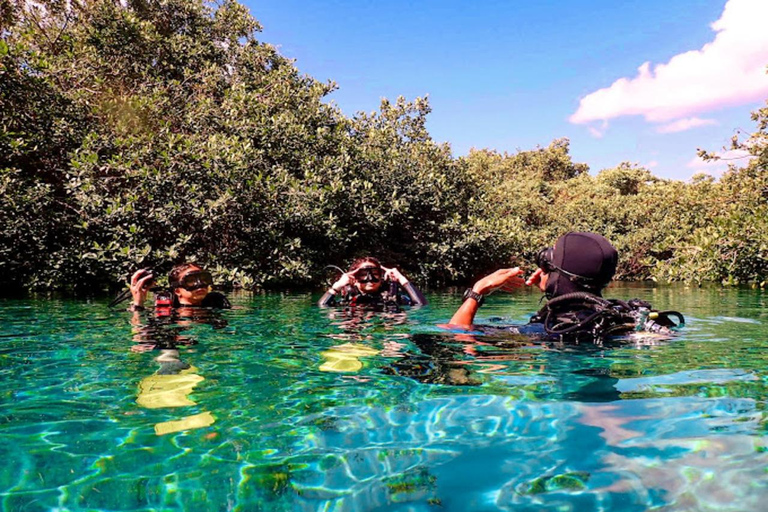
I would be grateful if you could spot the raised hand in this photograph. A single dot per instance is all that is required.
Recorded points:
(346, 279)
(535, 278)
(505, 279)
(393, 274)
(140, 282)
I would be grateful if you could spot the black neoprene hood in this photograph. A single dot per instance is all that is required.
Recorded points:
(589, 257)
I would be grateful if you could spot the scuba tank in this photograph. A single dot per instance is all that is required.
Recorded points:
(581, 314)
(651, 320)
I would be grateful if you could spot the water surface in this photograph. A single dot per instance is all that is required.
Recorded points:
(277, 405)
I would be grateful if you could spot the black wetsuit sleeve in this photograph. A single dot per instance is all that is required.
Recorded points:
(327, 300)
(417, 298)
(216, 300)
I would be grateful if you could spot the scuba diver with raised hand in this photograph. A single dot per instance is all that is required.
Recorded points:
(189, 284)
(363, 285)
(188, 300)
(366, 291)
(573, 275)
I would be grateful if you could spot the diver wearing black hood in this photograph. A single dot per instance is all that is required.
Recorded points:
(579, 262)
(573, 275)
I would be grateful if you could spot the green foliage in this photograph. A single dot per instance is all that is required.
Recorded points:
(165, 131)
(733, 247)
(145, 133)
(625, 178)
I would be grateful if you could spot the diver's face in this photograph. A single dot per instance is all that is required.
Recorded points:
(368, 278)
(192, 297)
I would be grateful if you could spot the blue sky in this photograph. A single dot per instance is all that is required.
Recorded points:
(510, 75)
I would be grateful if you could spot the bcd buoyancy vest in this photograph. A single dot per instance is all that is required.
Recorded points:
(581, 314)
(387, 298)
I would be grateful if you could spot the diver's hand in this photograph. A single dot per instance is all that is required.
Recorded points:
(140, 282)
(346, 279)
(393, 274)
(535, 278)
(505, 279)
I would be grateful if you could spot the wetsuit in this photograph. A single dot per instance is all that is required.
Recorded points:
(386, 296)
(215, 300)
(579, 266)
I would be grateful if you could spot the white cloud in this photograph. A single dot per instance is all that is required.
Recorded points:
(684, 124)
(737, 157)
(652, 164)
(598, 134)
(598, 131)
(730, 70)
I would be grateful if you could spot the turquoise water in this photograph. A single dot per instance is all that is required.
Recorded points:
(277, 405)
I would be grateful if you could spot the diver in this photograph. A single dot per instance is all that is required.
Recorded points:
(187, 301)
(190, 287)
(363, 285)
(573, 274)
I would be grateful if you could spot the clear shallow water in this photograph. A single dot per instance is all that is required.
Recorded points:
(277, 405)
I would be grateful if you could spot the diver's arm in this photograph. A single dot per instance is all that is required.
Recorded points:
(505, 279)
(328, 298)
(465, 315)
(417, 298)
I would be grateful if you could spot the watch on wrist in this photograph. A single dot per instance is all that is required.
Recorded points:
(471, 294)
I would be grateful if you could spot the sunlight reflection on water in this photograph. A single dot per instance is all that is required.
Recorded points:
(277, 405)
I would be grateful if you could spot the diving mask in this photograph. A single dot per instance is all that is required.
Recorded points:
(545, 262)
(544, 259)
(368, 275)
(194, 280)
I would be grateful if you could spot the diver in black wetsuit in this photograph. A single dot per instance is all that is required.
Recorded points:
(572, 274)
(363, 285)
(190, 286)
(163, 332)
(189, 301)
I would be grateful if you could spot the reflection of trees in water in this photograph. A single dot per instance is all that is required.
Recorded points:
(455, 359)
(157, 332)
(358, 319)
(510, 362)
(461, 359)
(426, 358)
